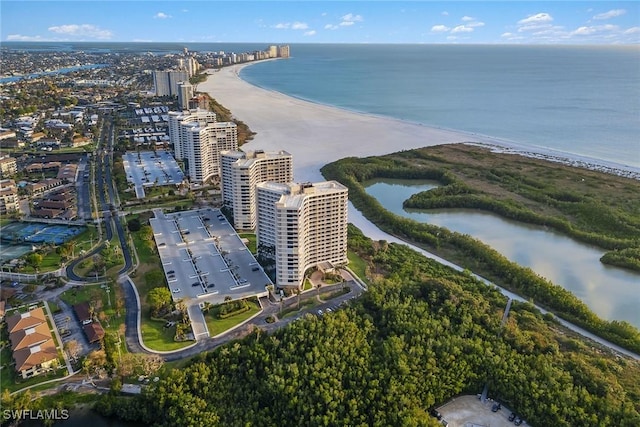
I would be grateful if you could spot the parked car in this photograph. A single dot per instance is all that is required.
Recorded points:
(176, 290)
(170, 272)
(195, 284)
(512, 416)
(436, 414)
(517, 421)
(496, 407)
(255, 268)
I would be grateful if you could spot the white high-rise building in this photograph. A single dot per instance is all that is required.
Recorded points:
(198, 140)
(179, 118)
(185, 93)
(241, 172)
(302, 226)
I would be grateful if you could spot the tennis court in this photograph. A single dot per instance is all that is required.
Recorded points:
(36, 232)
(13, 251)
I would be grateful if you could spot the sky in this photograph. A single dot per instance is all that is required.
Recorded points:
(364, 21)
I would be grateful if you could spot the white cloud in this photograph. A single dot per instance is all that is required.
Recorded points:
(82, 30)
(350, 17)
(440, 29)
(467, 19)
(475, 24)
(445, 13)
(161, 15)
(310, 33)
(345, 21)
(610, 14)
(537, 19)
(291, 26)
(584, 31)
(21, 38)
(461, 29)
(632, 30)
(594, 29)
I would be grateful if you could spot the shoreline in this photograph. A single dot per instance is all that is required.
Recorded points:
(276, 116)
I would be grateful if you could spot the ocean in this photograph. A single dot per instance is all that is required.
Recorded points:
(580, 100)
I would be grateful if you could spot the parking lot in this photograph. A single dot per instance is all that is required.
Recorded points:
(469, 411)
(149, 168)
(204, 260)
(70, 329)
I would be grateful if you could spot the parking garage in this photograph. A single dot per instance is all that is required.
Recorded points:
(204, 260)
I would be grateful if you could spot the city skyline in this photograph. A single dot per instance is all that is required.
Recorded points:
(521, 22)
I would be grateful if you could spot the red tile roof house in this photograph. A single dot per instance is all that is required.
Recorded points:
(33, 348)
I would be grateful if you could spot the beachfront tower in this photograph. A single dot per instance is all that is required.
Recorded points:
(302, 226)
(198, 139)
(177, 120)
(185, 93)
(241, 172)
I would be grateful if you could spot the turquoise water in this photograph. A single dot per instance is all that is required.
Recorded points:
(575, 99)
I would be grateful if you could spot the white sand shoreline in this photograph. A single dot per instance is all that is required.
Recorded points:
(317, 134)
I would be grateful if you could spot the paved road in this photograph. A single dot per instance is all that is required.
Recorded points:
(104, 183)
(132, 337)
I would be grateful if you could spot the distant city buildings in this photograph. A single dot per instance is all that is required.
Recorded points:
(198, 139)
(302, 226)
(240, 174)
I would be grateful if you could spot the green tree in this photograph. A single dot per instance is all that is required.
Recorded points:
(159, 300)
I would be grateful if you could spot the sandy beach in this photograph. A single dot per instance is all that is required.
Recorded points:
(317, 134)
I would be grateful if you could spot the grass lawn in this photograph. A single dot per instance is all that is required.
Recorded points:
(53, 307)
(307, 285)
(157, 337)
(217, 326)
(357, 265)
(252, 241)
(83, 293)
(154, 334)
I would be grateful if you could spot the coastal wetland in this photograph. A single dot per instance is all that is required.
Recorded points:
(597, 209)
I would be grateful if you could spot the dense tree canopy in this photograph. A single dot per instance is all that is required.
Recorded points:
(421, 335)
